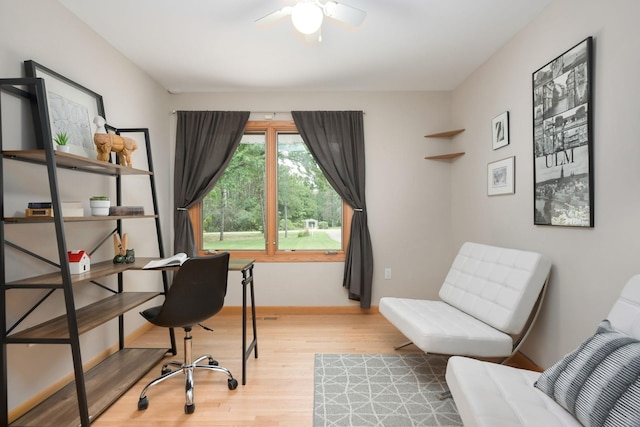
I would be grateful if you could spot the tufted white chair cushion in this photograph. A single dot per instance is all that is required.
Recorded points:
(437, 327)
(492, 395)
(498, 286)
(625, 313)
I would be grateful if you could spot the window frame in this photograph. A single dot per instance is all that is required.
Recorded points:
(271, 254)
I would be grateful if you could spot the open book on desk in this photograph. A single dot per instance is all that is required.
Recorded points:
(173, 261)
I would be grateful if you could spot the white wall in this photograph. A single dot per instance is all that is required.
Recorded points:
(590, 265)
(408, 197)
(47, 33)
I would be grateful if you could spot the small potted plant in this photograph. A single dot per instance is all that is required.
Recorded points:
(62, 139)
(99, 205)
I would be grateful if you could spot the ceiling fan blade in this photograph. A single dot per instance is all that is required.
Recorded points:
(274, 17)
(343, 13)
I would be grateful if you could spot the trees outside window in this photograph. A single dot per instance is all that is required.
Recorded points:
(273, 202)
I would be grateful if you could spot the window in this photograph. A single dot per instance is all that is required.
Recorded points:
(273, 202)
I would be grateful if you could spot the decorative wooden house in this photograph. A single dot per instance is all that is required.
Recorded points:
(79, 261)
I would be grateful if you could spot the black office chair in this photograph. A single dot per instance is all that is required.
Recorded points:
(196, 294)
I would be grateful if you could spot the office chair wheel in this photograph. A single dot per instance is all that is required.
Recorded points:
(213, 362)
(232, 383)
(189, 409)
(165, 370)
(143, 403)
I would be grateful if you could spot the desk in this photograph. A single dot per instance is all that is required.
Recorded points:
(245, 266)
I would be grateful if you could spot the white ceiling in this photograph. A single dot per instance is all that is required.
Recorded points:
(215, 45)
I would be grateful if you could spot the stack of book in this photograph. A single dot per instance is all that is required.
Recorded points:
(44, 209)
(126, 210)
(39, 209)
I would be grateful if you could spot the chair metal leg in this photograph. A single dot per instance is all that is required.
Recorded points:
(172, 363)
(187, 368)
(212, 361)
(215, 368)
(189, 405)
(444, 395)
(158, 381)
(398, 347)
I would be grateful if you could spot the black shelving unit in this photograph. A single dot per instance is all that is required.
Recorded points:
(91, 392)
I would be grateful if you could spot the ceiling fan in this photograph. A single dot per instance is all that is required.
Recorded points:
(307, 15)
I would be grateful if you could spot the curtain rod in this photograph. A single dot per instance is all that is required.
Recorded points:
(261, 112)
(254, 112)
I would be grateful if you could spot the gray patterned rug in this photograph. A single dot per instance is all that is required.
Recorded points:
(359, 390)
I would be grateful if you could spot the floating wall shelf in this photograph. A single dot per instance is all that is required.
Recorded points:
(449, 156)
(447, 134)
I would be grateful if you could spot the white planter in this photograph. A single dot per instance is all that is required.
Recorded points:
(99, 207)
(62, 148)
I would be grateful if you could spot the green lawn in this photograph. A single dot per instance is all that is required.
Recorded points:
(320, 240)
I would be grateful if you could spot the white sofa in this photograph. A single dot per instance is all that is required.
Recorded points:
(488, 303)
(602, 377)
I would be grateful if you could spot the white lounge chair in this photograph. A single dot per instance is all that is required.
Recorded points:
(602, 377)
(489, 301)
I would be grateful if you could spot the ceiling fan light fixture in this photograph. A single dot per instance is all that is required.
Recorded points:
(330, 8)
(307, 17)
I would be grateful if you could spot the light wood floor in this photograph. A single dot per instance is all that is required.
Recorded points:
(279, 389)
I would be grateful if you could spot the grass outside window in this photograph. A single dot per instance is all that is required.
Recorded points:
(273, 203)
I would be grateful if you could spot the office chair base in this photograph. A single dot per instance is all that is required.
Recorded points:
(189, 407)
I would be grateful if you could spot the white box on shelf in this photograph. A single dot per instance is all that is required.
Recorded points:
(72, 209)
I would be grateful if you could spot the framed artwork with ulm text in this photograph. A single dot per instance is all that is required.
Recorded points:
(562, 139)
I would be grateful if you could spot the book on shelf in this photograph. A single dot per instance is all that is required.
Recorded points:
(173, 261)
(126, 210)
(39, 205)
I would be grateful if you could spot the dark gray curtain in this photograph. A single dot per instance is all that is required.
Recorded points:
(205, 143)
(336, 141)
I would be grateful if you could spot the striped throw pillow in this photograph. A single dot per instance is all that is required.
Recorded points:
(599, 382)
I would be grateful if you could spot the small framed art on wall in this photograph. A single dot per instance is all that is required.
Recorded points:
(501, 178)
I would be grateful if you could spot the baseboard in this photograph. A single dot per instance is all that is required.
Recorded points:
(262, 311)
(520, 360)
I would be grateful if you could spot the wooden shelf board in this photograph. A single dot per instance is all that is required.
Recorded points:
(75, 162)
(447, 134)
(88, 317)
(98, 270)
(40, 219)
(448, 156)
(105, 383)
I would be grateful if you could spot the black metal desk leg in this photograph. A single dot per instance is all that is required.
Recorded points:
(247, 279)
(253, 314)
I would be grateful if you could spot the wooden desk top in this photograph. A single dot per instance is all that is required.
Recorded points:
(235, 264)
(239, 264)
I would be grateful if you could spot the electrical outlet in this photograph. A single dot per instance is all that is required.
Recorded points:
(387, 273)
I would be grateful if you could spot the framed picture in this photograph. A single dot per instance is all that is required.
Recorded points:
(562, 139)
(72, 109)
(501, 177)
(500, 130)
